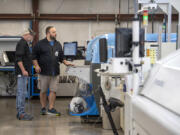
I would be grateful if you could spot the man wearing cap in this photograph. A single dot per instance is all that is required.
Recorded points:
(47, 54)
(23, 66)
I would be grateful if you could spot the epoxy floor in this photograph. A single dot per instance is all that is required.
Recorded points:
(45, 125)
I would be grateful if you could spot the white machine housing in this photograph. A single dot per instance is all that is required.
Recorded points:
(119, 65)
(156, 109)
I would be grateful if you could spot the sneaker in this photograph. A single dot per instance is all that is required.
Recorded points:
(43, 111)
(53, 112)
(25, 117)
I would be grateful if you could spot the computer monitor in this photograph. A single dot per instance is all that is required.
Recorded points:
(123, 42)
(70, 48)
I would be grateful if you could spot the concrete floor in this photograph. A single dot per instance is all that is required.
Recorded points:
(45, 125)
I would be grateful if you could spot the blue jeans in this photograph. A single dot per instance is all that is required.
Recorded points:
(21, 93)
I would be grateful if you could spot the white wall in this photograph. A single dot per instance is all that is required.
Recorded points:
(77, 30)
(79, 6)
(66, 30)
(15, 6)
(13, 28)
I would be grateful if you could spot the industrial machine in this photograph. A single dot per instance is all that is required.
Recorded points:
(149, 108)
(126, 81)
(83, 103)
(87, 76)
(118, 73)
(153, 110)
(122, 64)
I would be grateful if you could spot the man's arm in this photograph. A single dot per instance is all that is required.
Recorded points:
(23, 70)
(20, 52)
(35, 56)
(65, 62)
(37, 67)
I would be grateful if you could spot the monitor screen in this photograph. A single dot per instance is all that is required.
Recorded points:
(124, 42)
(70, 48)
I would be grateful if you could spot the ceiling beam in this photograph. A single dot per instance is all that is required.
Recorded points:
(77, 17)
(100, 17)
(16, 17)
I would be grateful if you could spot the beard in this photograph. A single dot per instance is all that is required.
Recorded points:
(52, 37)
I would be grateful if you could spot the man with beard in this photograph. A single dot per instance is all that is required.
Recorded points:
(47, 54)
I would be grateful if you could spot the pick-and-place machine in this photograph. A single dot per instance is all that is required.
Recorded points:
(151, 106)
(151, 103)
(128, 50)
(150, 100)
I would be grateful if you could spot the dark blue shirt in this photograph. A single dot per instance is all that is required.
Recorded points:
(51, 43)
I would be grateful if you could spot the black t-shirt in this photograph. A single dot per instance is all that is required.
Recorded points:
(23, 54)
(48, 57)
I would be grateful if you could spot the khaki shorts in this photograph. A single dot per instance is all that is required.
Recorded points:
(45, 82)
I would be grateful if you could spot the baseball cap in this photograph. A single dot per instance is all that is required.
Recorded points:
(29, 31)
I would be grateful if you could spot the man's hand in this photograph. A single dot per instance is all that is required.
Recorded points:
(25, 73)
(67, 63)
(37, 69)
(23, 70)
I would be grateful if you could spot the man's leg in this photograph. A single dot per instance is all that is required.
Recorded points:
(24, 92)
(53, 88)
(19, 96)
(43, 84)
(43, 99)
(52, 98)
(20, 99)
(52, 95)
